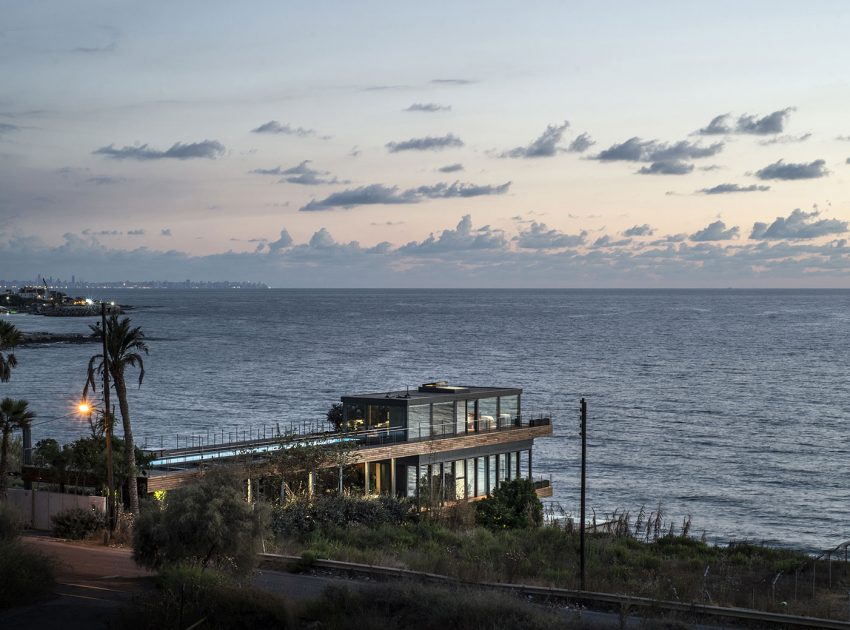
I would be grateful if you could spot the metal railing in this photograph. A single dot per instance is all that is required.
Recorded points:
(221, 445)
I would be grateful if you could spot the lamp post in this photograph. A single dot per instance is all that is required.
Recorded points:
(85, 408)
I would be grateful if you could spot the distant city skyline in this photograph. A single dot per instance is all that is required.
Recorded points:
(549, 144)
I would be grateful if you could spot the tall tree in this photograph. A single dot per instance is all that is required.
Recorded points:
(9, 338)
(14, 415)
(124, 347)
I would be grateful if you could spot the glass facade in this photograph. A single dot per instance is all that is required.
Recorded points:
(470, 478)
(418, 422)
(488, 411)
(491, 473)
(481, 476)
(508, 411)
(442, 419)
(460, 417)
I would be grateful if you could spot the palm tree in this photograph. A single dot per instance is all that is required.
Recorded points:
(9, 338)
(124, 347)
(13, 415)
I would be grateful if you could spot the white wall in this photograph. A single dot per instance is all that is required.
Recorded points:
(37, 507)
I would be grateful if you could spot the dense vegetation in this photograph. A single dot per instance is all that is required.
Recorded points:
(26, 576)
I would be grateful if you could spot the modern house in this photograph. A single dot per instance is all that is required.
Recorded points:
(439, 442)
(451, 442)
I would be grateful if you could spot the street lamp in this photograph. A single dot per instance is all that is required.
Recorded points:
(86, 408)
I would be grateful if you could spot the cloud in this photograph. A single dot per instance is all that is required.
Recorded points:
(546, 145)
(301, 174)
(283, 242)
(105, 180)
(786, 139)
(843, 138)
(719, 125)
(390, 195)
(716, 231)
(668, 156)
(770, 124)
(274, 127)
(451, 168)
(605, 241)
(88, 232)
(748, 124)
(110, 47)
(722, 189)
(165, 232)
(667, 167)
(7, 128)
(462, 238)
(428, 107)
(639, 230)
(429, 143)
(208, 149)
(798, 225)
(138, 232)
(581, 143)
(539, 236)
(452, 81)
(791, 171)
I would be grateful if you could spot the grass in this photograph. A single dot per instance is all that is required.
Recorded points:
(670, 567)
(186, 595)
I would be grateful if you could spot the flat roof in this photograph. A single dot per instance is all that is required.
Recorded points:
(440, 393)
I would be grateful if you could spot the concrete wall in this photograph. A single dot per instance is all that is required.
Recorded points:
(37, 508)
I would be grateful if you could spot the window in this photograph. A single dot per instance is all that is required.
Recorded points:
(491, 475)
(487, 412)
(355, 416)
(442, 419)
(418, 422)
(471, 417)
(470, 478)
(411, 481)
(508, 411)
(481, 477)
(504, 469)
(460, 417)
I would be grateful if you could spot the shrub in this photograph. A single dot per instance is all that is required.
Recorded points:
(207, 523)
(27, 574)
(78, 523)
(187, 594)
(10, 523)
(513, 505)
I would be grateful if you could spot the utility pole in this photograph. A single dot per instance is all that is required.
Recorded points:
(107, 427)
(583, 489)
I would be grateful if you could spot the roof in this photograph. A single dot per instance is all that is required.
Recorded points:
(431, 392)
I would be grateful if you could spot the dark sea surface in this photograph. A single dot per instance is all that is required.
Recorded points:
(730, 406)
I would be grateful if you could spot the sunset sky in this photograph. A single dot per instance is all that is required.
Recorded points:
(439, 144)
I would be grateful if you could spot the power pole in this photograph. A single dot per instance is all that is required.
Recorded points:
(107, 427)
(583, 489)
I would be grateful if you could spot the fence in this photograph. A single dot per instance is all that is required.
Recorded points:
(37, 508)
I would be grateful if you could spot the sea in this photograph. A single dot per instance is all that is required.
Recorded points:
(728, 407)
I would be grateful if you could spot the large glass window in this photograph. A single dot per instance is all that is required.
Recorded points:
(470, 478)
(449, 486)
(504, 469)
(442, 419)
(481, 477)
(523, 464)
(355, 416)
(471, 416)
(508, 411)
(491, 475)
(384, 417)
(411, 481)
(418, 422)
(487, 413)
(460, 417)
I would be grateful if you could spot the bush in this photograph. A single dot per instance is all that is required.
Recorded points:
(27, 574)
(513, 505)
(10, 523)
(78, 523)
(188, 594)
(412, 606)
(298, 518)
(207, 523)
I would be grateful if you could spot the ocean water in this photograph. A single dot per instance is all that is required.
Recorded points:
(728, 406)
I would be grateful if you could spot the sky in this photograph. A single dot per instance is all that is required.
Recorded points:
(438, 144)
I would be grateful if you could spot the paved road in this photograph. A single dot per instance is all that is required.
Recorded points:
(92, 581)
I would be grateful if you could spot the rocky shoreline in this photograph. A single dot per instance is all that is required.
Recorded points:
(43, 337)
